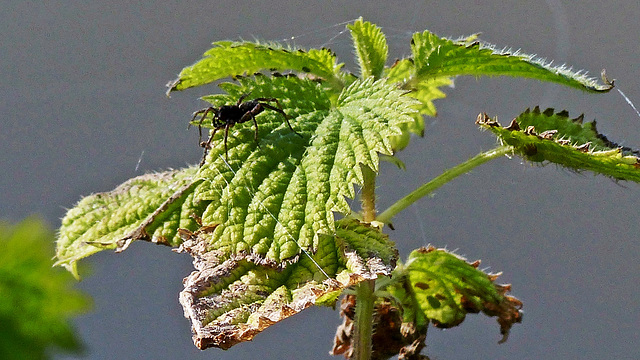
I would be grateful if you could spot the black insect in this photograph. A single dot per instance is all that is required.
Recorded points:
(228, 115)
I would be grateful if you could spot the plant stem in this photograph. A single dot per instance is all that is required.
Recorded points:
(368, 194)
(445, 177)
(363, 321)
(364, 290)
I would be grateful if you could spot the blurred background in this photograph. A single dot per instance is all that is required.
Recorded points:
(84, 109)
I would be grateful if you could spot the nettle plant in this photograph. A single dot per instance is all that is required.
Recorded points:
(265, 215)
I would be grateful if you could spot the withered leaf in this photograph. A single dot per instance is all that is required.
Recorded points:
(391, 335)
(231, 300)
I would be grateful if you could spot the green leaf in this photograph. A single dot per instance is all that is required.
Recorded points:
(274, 197)
(371, 47)
(229, 59)
(436, 57)
(554, 137)
(439, 287)
(149, 207)
(437, 60)
(36, 301)
(230, 301)
(425, 91)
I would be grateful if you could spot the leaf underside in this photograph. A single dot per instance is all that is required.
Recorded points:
(547, 136)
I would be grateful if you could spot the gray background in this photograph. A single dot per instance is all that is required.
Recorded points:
(83, 97)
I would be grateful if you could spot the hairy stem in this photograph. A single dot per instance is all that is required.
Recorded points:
(368, 194)
(364, 290)
(445, 177)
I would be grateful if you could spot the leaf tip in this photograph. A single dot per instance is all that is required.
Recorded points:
(171, 86)
(69, 265)
(608, 82)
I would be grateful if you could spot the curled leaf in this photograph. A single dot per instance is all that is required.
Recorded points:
(442, 288)
(554, 137)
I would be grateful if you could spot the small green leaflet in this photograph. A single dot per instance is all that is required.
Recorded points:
(435, 57)
(436, 61)
(371, 48)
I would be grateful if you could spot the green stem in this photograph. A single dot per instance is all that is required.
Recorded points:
(363, 321)
(445, 177)
(364, 290)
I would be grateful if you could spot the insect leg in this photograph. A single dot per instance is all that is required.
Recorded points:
(204, 113)
(207, 145)
(252, 115)
(226, 135)
(255, 123)
(242, 98)
(278, 110)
